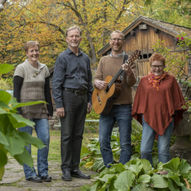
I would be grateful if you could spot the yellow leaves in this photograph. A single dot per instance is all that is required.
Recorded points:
(88, 165)
(47, 20)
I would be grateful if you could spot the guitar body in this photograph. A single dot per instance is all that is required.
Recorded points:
(100, 98)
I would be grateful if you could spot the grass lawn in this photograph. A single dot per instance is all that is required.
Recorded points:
(54, 148)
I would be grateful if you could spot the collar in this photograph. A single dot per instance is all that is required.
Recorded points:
(69, 51)
(118, 55)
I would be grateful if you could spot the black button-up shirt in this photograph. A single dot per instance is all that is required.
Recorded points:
(71, 71)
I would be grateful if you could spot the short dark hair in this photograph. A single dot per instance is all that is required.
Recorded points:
(157, 57)
(73, 28)
(30, 44)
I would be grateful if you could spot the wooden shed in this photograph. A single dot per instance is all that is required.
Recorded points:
(142, 34)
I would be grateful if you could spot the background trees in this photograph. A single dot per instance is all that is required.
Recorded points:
(47, 20)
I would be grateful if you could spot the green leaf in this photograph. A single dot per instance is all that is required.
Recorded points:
(32, 140)
(94, 187)
(3, 158)
(124, 181)
(107, 177)
(16, 144)
(17, 105)
(5, 97)
(3, 139)
(2, 170)
(117, 168)
(144, 178)
(19, 121)
(24, 158)
(173, 164)
(159, 182)
(146, 165)
(184, 167)
(175, 177)
(147, 2)
(135, 165)
(141, 187)
(5, 68)
(172, 186)
(2, 111)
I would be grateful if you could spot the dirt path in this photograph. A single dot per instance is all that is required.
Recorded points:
(14, 179)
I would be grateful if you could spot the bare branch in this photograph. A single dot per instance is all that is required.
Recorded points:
(125, 2)
(77, 13)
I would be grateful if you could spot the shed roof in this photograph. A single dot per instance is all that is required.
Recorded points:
(169, 28)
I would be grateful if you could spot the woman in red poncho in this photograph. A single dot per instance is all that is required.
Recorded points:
(157, 106)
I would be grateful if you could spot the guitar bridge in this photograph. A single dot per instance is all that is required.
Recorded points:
(98, 98)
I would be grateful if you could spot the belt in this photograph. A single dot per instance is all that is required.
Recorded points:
(76, 91)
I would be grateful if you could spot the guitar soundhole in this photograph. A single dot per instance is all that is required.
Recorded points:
(107, 89)
(98, 98)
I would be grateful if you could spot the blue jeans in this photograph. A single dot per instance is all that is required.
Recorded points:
(121, 114)
(148, 136)
(42, 131)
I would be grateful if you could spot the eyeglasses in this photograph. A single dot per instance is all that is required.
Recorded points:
(117, 39)
(157, 66)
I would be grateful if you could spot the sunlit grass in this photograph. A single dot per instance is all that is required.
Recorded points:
(54, 147)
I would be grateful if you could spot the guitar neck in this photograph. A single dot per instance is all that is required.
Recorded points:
(114, 78)
(128, 62)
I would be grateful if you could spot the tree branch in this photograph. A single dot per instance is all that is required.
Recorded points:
(2, 2)
(125, 2)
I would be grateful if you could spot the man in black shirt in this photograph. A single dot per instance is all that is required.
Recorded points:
(72, 89)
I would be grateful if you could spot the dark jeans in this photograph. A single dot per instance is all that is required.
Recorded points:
(121, 114)
(42, 131)
(72, 127)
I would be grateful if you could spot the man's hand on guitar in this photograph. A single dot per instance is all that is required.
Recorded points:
(126, 68)
(100, 84)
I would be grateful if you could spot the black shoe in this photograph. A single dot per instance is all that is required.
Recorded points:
(66, 175)
(34, 179)
(79, 174)
(46, 178)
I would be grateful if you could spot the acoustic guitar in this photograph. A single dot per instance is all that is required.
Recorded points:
(102, 99)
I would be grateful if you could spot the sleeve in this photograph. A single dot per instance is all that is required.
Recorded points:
(90, 87)
(17, 84)
(131, 74)
(48, 97)
(19, 71)
(47, 73)
(99, 72)
(139, 104)
(58, 81)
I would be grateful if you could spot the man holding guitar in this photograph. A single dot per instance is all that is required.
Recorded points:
(114, 71)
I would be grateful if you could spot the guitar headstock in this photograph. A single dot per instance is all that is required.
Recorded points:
(134, 56)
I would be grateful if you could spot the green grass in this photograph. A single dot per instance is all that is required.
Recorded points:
(54, 147)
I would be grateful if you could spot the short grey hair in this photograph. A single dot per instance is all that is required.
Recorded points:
(75, 27)
(118, 31)
(30, 44)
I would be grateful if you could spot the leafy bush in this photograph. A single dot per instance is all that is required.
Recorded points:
(138, 175)
(12, 141)
(91, 157)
